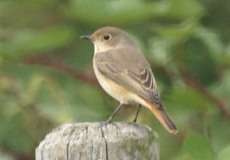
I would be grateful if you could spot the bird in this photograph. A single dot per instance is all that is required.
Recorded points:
(124, 73)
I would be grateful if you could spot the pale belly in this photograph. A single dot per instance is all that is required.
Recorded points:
(113, 89)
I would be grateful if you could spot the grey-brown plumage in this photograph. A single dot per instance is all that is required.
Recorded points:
(125, 74)
(125, 67)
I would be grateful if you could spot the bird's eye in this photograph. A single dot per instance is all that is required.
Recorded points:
(107, 37)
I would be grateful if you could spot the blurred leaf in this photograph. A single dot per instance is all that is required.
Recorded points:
(185, 105)
(196, 59)
(219, 131)
(222, 88)
(177, 32)
(217, 17)
(224, 154)
(184, 9)
(196, 147)
(211, 39)
(14, 135)
(184, 98)
(114, 12)
(160, 49)
(225, 59)
(35, 41)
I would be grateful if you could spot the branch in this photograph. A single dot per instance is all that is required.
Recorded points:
(58, 65)
(190, 81)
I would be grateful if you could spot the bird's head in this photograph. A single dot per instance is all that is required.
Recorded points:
(107, 38)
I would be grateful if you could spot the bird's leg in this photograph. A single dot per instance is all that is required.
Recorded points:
(114, 113)
(138, 110)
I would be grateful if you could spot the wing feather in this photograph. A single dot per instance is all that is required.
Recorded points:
(129, 69)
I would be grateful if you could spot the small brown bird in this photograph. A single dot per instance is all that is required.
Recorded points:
(125, 74)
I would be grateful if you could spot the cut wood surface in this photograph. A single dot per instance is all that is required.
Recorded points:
(94, 141)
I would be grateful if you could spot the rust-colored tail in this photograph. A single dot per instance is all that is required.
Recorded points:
(162, 116)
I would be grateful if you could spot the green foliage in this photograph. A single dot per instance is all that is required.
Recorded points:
(46, 76)
(113, 12)
(224, 154)
(28, 41)
(196, 147)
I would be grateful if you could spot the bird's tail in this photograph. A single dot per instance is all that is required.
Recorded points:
(162, 116)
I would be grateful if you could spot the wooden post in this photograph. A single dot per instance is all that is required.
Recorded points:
(94, 141)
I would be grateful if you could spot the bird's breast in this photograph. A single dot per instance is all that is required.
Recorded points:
(112, 88)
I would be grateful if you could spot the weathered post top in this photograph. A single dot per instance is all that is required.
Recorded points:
(94, 141)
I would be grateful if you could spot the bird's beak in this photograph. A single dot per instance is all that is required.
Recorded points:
(88, 37)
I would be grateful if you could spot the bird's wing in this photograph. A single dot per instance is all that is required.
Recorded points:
(129, 68)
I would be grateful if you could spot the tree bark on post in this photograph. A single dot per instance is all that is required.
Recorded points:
(94, 141)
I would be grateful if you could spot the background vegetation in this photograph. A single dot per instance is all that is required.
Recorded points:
(46, 76)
